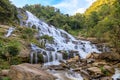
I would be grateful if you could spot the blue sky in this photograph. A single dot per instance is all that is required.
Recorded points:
(66, 6)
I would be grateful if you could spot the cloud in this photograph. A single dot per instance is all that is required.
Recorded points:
(90, 1)
(73, 6)
(80, 10)
(68, 6)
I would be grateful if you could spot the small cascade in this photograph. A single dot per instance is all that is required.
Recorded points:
(50, 58)
(44, 57)
(31, 57)
(54, 56)
(9, 31)
(116, 76)
(65, 75)
(59, 56)
(105, 48)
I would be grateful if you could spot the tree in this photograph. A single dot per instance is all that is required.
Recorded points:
(66, 27)
(8, 12)
(115, 32)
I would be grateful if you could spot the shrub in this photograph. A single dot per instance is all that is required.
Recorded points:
(46, 37)
(13, 48)
(6, 78)
(40, 58)
(27, 33)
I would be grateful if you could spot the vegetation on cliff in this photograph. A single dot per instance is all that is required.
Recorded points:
(8, 12)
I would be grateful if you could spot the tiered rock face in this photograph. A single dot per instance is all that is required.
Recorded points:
(28, 72)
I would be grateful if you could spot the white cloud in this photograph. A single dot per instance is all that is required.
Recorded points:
(80, 10)
(73, 6)
(68, 6)
(90, 1)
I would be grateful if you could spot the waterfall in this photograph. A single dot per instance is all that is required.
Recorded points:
(31, 57)
(48, 56)
(44, 57)
(61, 41)
(9, 31)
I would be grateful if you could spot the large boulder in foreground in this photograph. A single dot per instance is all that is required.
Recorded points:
(28, 72)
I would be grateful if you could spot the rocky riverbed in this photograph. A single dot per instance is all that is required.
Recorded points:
(91, 68)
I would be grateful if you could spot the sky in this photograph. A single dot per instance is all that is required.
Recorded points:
(70, 7)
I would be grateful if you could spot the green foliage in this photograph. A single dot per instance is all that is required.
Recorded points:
(65, 55)
(26, 33)
(16, 60)
(2, 49)
(66, 27)
(40, 58)
(46, 37)
(49, 14)
(4, 64)
(99, 4)
(8, 12)
(13, 48)
(104, 71)
(6, 78)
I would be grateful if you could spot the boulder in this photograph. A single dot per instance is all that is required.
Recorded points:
(4, 72)
(101, 63)
(76, 58)
(92, 55)
(28, 72)
(109, 68)
(106, 78)
(89, 61)
(95, 70)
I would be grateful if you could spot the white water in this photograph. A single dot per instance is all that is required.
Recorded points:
(9, 31)
(116, 76)
(66, 75)
(62, 40)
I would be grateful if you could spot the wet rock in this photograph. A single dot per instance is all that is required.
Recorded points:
(95, 70)
(110, 56)
(76, 58)
(106, 78)
(109, 68)
(85, 74)
(92, 55)
(56, 67)
(101, 63)
(50, 48)
(4, 72)
(117, 65)
(77, 69)
(89, 61)
(65, 66)
(28, 72)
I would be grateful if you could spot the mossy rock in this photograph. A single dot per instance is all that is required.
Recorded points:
(41, 58)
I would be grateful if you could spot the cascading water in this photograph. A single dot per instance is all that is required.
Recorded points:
(65, 75)
(116, 76)
(61, 41)
(9, 31)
